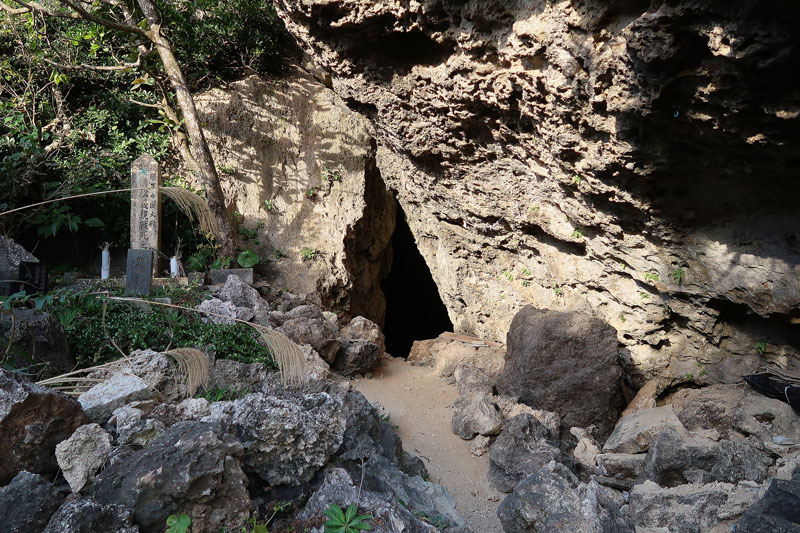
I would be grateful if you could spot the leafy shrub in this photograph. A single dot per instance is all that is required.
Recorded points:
(345, 521)
(155, 328)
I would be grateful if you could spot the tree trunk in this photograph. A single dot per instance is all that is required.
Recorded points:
(207, 172)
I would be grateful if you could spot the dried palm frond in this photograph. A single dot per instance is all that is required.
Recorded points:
(194, 365)
(77, 382)
(288, 355)
(195, 207)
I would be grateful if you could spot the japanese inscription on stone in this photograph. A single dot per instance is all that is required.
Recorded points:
(145, 205)
(137, 273)
(32, 277)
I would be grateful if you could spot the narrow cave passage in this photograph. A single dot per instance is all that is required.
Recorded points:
(414, 310)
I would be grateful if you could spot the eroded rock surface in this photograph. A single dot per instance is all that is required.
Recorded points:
(565, 155)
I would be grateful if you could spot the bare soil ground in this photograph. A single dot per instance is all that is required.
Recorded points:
(420, 404)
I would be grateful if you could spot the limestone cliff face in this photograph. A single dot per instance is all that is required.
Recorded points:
(633, 159)
(299, 169)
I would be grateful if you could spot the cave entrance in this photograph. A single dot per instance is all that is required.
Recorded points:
(414, 310)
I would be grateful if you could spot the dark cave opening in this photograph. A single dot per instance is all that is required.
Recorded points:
(414, 310)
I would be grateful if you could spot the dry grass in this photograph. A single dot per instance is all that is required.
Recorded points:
(194, 365)
(288, 355)
(195, 207)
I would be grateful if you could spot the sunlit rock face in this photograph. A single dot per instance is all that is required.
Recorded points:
(633, 159)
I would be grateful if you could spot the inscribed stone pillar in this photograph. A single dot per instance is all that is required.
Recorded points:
(146, 207)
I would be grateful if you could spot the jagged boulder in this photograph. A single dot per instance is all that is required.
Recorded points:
(39, 339)
(552, 499)
(82, 515)
(778, 511)
(27, 503)
(121, 389)
(192, 468)
(690, 508)
(82, 455)
(356, 357)
(307, 325)
(11, 255)
(240, 294)
(635, 432)
(361, 328)
(287, 439)
(565, 362)
(476, 415)
(388, 515)
(522, 448)
(33, 419)
(470, 379)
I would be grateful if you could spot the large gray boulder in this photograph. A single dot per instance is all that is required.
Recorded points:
(552, 499)
(80, 515)
(361, 328)
(39, 341)
(191, 469)
(241, 294)
(565, 362)
(287, 439)
(307, 325)
(33, 419)
(523, 447)
(27, 503)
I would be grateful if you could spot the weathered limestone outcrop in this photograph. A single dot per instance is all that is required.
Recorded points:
(630, 159)
(299, 167)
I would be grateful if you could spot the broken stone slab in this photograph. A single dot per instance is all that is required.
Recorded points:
(476, 415)
(33, 419)
(27, 503)
(690, 508)
(82, 454)
(307, 325)
(587, 449)
(624, 466)
(82, 515)
(220, 277)
(219, 312)
(100, 401)
(635, 432)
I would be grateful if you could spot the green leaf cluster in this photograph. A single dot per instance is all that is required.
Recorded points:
(345, 521)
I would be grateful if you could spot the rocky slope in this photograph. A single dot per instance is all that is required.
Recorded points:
(633, 159)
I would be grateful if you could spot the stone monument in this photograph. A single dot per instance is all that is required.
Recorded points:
(146, 207)
(138, 272)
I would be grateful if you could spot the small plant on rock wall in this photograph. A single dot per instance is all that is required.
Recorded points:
(308, 254)
(269, 205)
(331, 176)
(622, 318)
(348, 521)
(576, 180)
(577, 234)
(178, 524)
(651, 276)
(311, 192)
(677, 275)
(761, 347)
(558, 291)
(248, 259)
(277, 254)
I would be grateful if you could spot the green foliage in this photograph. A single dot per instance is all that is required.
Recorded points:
(155, 328)
(178, 524)
(525, 271)
(331, 176)
(622, 318)
(220, 263)
(269, 205)
(277, 254)
(508, 275)
(558, 291)
(761, 347)
(311, 192)
(345, 521)
(248, 259)
(576, 180)
(251, 234)
(651, 276)
(308, 254)
(677, 275)
(643, 295)
(688, 376)
(577, 234)
(219, 394)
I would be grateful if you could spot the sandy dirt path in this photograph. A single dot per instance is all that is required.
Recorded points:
(420, 404)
